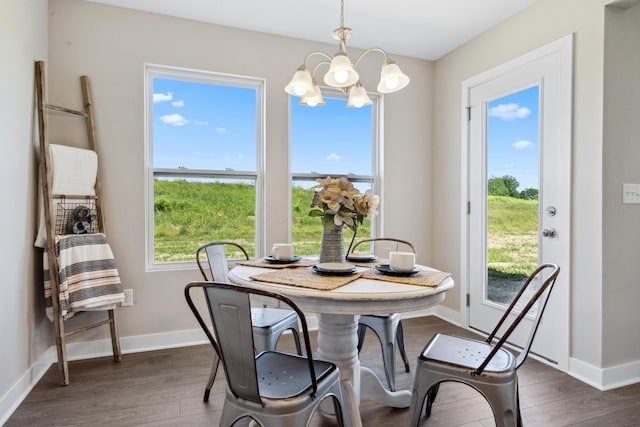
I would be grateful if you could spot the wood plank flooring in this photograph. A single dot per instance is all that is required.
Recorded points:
(165, 388)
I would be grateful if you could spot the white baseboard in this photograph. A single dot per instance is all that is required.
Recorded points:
(14, 397)
(605, 378)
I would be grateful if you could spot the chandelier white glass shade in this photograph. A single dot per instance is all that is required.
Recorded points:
(342, 74)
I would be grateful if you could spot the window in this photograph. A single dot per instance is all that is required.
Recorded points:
(331, 140)
(204, 148)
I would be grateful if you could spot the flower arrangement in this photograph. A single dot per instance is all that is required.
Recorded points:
(340, 204)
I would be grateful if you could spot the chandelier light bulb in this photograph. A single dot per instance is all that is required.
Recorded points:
(392, 78)
(300, 83)
(358, 97)
(341, 76)
(341, 72)
(392, 83)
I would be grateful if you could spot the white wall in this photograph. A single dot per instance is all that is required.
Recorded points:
(24, 332)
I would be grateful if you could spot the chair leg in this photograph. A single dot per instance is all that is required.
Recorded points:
(400, 341)
(296, 339)
(362, 330)
(417, 401)
(431, 397)
(212, 376)
(337, 408)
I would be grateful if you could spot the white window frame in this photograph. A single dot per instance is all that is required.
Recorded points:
(376, 158)
(152, 71)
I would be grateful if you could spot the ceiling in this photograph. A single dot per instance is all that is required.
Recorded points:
(426, 29)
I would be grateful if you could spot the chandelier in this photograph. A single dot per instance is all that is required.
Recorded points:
(342, 74)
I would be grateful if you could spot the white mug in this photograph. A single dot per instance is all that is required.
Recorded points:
(402, 262)
(282, 251)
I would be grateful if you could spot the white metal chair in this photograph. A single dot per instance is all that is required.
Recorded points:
(387, 327)
(484, 365)
(268, 323)
(272, 388)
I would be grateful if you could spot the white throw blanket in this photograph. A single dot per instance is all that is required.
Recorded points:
(89, 279)
(74, 172)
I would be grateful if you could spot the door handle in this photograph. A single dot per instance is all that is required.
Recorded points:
(549, 232)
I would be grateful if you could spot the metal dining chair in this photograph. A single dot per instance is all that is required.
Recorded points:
(268, 323)
(487, 365)
(387, 327)
(272, 388)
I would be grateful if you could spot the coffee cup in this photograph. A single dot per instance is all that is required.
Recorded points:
(402, 262)
(282, 251)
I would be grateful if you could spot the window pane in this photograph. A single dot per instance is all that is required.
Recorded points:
(203, 125)
(205, 141)
(331, 139)
(513, 128)
(191, 212)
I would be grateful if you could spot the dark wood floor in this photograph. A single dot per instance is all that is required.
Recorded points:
(164, 388)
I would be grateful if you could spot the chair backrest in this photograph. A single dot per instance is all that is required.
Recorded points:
(230, 310)
(374, 242)
(217, 260)
(541, 295)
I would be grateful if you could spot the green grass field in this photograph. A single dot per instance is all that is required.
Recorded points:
(188, 214)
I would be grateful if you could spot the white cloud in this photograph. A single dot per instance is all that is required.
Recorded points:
(221, 130)
(199, 123)
(509, 111)
(522, 145)
(334, 156)
(178, 104)
(174, 120)
(162, 97)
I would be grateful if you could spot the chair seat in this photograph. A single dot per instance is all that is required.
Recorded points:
(282, 376)
(466, 353)
(266, 317)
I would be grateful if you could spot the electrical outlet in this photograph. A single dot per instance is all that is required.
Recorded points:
(128, 298)
(630, 194)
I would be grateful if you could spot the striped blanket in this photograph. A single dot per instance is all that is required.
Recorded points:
(89, 279)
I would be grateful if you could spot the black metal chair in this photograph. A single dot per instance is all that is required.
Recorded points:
(272, 388)
(485, 365)
(387, 327)
(268, 323)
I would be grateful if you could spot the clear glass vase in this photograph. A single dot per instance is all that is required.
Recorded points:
(332, 247)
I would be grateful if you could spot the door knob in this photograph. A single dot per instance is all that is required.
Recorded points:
(549, 232)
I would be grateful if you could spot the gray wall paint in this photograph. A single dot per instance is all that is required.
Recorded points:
(111, 45)
(621, 157)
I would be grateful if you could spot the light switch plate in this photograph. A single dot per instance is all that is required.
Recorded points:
(630, 194)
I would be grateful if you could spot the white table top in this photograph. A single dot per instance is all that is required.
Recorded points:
(362, 296)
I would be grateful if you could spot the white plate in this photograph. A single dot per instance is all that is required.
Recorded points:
(335, 267)
(361, 256)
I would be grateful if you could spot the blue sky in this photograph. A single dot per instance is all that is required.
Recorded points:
(513, 137)
(207, 126)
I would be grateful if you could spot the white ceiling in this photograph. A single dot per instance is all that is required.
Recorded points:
(426, 29)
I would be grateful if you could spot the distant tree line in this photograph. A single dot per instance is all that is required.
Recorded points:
(508, 186)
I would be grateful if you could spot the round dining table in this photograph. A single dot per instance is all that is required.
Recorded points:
(337, 311)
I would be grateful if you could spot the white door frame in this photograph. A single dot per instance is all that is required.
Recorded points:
(565, 47)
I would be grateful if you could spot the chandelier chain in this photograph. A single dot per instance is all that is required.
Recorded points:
(341, 13)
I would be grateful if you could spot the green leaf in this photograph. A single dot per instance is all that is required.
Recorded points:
(316, 212)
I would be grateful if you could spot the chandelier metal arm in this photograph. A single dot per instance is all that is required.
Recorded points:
(317, 52)
(372, 49)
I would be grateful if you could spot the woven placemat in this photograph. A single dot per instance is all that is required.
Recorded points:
(260, 262)
(431, 278)
(305, 278)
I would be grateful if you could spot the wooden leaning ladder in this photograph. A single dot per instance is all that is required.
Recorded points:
(50, 218)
